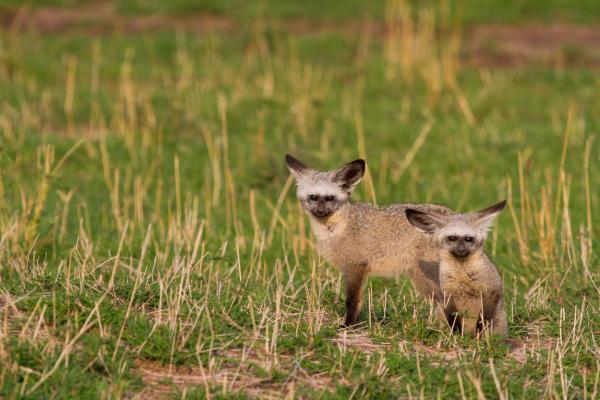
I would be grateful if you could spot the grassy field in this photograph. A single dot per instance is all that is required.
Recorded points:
(151, 245)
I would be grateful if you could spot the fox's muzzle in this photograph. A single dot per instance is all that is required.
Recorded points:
(321, 213)
(461, 252)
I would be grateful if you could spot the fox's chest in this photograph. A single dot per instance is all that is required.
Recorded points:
(335, 245)
(469, 290)
(329, 239)
(462, 283)
(327, 235)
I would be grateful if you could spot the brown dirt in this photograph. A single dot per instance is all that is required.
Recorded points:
(103, 19)
(515, 44)
(484, 46)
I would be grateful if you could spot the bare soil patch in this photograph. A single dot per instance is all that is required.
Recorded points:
(103, 19)
(513, 45)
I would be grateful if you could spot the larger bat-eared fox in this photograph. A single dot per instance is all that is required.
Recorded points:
(472, 288)
(361, 239)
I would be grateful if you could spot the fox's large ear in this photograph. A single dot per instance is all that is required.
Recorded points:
(350, 174)
(487, 216)
(424, 222)
(296, 166)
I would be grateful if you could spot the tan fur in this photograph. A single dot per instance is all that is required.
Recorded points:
(473, 289)
(382, 241)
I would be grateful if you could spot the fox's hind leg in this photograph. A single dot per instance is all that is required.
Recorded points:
(355, 277)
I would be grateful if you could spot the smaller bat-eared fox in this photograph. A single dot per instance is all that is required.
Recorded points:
(472, 288)
(362, 239)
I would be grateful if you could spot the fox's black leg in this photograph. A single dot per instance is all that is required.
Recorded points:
(355, 277)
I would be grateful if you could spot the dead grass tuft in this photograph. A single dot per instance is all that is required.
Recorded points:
(13, 322)
(362, 341)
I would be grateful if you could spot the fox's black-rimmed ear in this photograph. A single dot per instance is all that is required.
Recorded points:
(424, 222)
(495, 209)
(296, 166)
(486, 217)
(350, 174)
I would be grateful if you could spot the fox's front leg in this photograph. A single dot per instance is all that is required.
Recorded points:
(471, 316)
(469, 325)
(355, 276)
(499, 323)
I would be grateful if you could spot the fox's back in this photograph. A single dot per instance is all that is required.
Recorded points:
(381, 238)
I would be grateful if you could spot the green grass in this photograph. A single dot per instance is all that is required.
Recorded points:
(158, 246)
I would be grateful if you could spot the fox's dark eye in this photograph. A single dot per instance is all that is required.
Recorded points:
(468, 238)
(329, 198)
(313, 197)
(452, 238)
